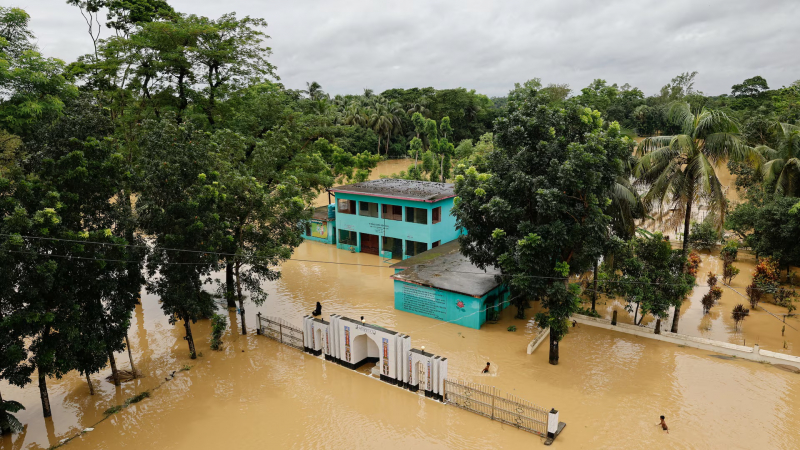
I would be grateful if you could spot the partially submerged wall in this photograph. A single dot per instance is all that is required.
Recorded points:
(751, 353)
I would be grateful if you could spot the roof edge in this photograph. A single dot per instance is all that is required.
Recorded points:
(394, 277)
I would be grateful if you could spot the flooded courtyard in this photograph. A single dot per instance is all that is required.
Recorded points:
(609, 387)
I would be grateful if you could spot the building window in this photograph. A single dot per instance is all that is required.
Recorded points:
(417, 215)
(437, 214)
(393, 245)
(392, 212)
(414, 248)
(435, 244)
(347, 206)
(348, 237)
(368, 209)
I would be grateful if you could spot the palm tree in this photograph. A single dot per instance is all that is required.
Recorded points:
(8, 423)
(625, 208)
(354, 114)
(322, 108)
(314, 91)
(384, 119)
(781, 166)
(680, 170)
(421, 107)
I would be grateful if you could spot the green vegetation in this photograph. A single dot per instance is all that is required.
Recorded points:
(548, 223)
(703, 236)
(177, 128)
(218, 326)
(649, 275)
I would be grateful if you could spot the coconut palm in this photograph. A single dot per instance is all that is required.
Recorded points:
(322, 108)
(781, 166)
(679, 170)
(314, 91)
(354, 114)
(626, 207)
(8, 423)
(421, 107)
(384, 119)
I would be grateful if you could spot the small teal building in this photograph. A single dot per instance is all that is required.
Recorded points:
(394, 218)
(443, 284)
(322, 226)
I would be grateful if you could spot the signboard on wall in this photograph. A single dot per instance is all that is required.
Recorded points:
(319, 229)
(378, 228)
(424, 301)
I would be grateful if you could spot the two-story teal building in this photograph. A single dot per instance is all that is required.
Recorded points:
(394, 218)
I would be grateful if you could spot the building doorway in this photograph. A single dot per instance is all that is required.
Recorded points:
(369, 244)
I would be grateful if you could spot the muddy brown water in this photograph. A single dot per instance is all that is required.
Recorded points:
(767, 325)
(610, 388)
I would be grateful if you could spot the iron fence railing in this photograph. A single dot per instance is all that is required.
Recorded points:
(281, 331)
(488, 401)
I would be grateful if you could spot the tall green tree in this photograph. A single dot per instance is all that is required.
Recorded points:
(263, 202)
(32, 87)
(384, 119)
(774, 231)
(64, 202)
(537, 213)
(680, 170)
(179, 208)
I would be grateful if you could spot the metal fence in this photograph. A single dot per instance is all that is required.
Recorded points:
(281, 331)
(489, 402)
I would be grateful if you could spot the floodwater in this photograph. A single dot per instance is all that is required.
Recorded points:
(384, 168)
(767, 325)
(609, 387)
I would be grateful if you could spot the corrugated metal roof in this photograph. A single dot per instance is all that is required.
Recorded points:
(444, 267)
(427, 191)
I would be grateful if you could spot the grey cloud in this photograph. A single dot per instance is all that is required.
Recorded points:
(348, 45)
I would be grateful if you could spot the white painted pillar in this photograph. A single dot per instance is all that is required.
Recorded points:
(442, 375)
(552, 423)
(336, 336)
(306, 334)
(398, 357)
(435, 375)
(406, 355)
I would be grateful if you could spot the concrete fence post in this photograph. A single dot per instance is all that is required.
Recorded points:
(614, 318)
(552, 423)
(756, 350)
(258, 318)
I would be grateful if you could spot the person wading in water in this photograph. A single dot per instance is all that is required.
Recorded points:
(486, 369)
(664, 425)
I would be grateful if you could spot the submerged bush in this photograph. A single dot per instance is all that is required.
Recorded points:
(703, 236)
(218, 326)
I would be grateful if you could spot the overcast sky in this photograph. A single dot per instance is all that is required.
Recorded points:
(489, 45)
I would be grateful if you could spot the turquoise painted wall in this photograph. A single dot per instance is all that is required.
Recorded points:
(331, 239)
(444, 231)
(444, 305)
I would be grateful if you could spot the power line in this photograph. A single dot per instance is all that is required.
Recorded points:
(254, 258)
(49, 255)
